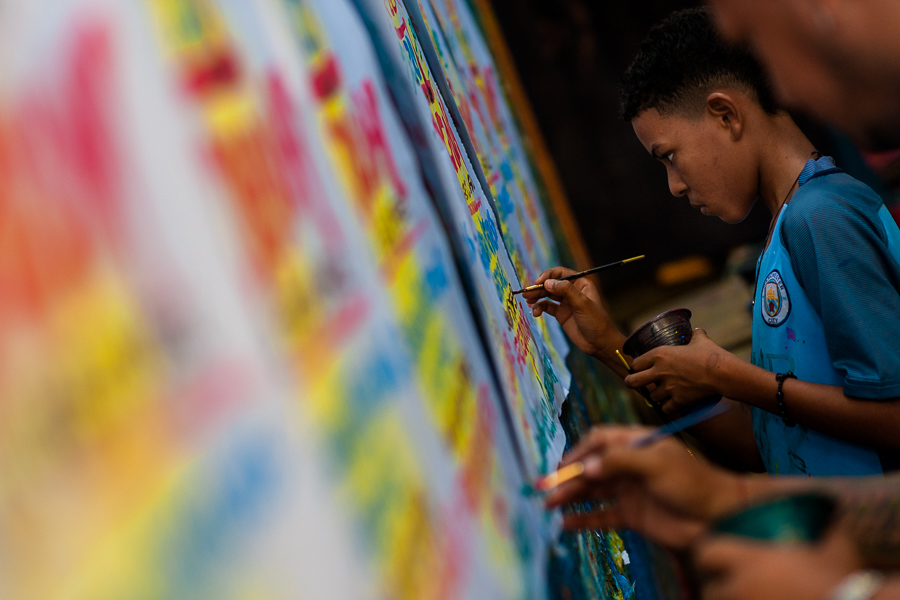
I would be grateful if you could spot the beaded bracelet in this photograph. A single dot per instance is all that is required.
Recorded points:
(779, 398)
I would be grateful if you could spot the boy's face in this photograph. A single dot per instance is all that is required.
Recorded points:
(703, 162)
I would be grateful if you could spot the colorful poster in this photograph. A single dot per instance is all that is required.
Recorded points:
(530, 379)
(329, 313)
(468, 66)
(495, 137)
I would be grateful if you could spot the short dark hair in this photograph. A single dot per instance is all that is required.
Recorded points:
(682, 60)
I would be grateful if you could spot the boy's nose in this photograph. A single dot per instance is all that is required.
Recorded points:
(677, 186)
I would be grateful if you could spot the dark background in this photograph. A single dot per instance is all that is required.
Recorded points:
(570, 55)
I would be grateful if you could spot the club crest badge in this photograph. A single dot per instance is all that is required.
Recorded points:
(776, 304)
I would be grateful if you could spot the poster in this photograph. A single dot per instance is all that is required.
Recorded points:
(468, 65)
(469, 69)
(530, 381)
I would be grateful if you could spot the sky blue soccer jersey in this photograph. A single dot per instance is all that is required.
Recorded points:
(827, 308)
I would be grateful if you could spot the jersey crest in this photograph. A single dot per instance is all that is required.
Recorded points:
(776, 304)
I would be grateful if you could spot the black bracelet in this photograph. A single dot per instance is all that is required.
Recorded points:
(779, 398)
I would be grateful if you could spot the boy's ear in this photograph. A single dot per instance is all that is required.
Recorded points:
(722, 107)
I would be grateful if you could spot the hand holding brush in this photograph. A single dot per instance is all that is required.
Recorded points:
(576, 469)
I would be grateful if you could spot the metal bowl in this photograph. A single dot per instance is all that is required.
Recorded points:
(671, 328)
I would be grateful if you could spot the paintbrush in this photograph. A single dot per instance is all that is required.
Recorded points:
(576, 469)
(582, 273)
(645, 393)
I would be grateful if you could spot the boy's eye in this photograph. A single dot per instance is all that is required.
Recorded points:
(669, 156)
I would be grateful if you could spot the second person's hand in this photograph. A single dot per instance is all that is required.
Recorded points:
(660, 491)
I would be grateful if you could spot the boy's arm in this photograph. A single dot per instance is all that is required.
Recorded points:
(662, 492)
(686, 374)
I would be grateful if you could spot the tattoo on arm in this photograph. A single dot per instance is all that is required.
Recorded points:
(869, 510)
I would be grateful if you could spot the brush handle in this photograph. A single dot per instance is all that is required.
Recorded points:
(582, 273)
(680, 424)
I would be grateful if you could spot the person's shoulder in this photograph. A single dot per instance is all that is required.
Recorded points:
(832, 198)
(834, 187)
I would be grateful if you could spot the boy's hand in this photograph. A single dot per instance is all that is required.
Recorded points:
(578, 307)
(683, 375)
(659, 491)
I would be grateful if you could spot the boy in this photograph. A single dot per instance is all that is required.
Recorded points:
(818, 398)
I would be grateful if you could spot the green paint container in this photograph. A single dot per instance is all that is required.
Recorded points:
(800, 519)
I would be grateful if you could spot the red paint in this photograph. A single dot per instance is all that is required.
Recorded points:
(327, 78)
(296, 166)
(59, 192)
(378, 155)
(219, 70)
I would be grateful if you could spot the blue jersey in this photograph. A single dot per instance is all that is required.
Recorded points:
(801, 322)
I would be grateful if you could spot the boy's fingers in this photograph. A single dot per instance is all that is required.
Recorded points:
(630, 463)
(575, 490)
(545, 306)
(699, 333)
(550, 274)
(606, 459)
(640, 379)
(645, 361)
(564, 290)
(534, 295)
(554, 273)
(659, 395)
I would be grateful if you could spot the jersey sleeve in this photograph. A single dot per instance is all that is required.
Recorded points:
(840, 255)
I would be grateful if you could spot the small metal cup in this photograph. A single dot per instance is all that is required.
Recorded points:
(671, 328)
